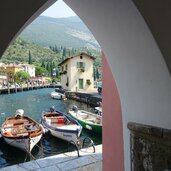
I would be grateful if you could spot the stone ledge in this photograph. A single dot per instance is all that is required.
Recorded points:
(63, 162)
(150, 147)
(148, 129)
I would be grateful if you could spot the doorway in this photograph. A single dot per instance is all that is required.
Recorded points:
(80, 83)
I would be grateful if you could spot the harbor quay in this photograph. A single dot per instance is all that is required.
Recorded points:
(88, 160)
(15, 89)
(90, 98)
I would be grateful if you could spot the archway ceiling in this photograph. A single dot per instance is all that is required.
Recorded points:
(157, 14)
(15, 15)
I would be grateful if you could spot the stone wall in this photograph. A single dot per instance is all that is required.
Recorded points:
(150, 148)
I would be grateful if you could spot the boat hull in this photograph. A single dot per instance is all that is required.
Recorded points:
(24, 144)
(87, 125)
(65, 135)
(58, 96)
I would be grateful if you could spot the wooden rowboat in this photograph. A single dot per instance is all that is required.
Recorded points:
(21, 131)
(61, 125)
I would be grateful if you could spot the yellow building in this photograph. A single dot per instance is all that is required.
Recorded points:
(12, 69)
(77, 73)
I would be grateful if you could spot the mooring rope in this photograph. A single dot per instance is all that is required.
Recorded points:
(29, 152)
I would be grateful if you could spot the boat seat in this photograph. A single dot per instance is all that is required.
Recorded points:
(27, 131)
(15, 126)
(55, 117)
(18, 121)
(12, 134)
(88, 119)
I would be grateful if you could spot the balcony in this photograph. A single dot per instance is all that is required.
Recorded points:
(81, 69)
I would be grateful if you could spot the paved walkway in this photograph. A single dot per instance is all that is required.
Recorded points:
(70, 161)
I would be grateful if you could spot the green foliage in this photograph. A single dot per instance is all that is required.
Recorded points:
(18, 53)
(48, 79)
(43, 64)
(44, 57)
(97, 74)
(40, 71)
(21, 76)
(54, 80)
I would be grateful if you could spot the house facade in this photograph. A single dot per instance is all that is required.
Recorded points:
(30, 69)
(77, 73)
(13, 68)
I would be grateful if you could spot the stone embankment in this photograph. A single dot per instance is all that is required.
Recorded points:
(88, 98)
(63, 162)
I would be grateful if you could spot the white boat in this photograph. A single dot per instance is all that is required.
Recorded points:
(58, 94)
(21, 131)
(61, 125)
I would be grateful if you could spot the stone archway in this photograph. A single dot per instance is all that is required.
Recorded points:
(135, 61)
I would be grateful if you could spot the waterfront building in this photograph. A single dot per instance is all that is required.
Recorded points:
(30, 69)
(77, 73)
(13, 68)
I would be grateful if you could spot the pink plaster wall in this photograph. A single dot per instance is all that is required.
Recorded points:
(113, 153)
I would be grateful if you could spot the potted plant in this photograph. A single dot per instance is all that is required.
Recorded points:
(65, 72)
(82, 69)
(88, 82)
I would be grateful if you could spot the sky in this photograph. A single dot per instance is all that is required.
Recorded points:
(59, 10)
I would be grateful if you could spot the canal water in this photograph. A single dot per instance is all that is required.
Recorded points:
(34, 102)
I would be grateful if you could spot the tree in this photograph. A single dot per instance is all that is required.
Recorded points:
(94, 73)
(43, 64)
(21, 76)
(57, 74)
(48, 67)
(64, 53)
(40, 71)
(97, 73)
(30, 58)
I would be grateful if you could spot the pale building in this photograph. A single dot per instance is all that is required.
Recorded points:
(30, 69)
(77, 73)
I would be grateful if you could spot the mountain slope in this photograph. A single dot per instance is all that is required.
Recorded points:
(68, 32)
(19, 52)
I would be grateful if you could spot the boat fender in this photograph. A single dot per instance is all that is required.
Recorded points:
(75, 108)
(52, 109)
(88, 127)
(19, 113)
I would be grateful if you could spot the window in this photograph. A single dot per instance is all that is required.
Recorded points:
(81, 57)
(62, 68)
(80, 64)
